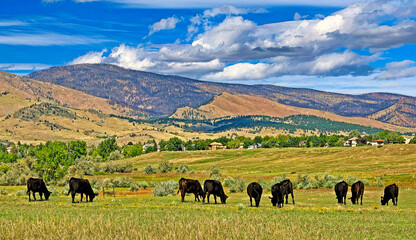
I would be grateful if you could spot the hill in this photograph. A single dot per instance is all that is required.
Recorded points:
(402, 113)
(29, 91)
(161, 95)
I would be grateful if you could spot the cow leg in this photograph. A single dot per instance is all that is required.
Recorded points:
(29, 195)
(293, 199)
(82, 195)
(208, 197)
(362, 199)
(215, 198)
(73, 197)
(251, 202)
(287, 197)
(40, 194)
(345, 200)
(183, 196)
(34, 196)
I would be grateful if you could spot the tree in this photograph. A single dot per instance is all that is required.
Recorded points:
(77, 149)
(52, 160)
(132, 150)
(106, 147)
(354, 133)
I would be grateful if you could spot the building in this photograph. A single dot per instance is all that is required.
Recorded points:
(215, 146)
(376, 142)
(407, 139)
(352, 142)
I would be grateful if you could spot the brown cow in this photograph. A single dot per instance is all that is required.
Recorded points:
(357, 190)
(190, 186)
(287, 184)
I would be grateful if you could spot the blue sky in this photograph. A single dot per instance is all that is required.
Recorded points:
(349, 47)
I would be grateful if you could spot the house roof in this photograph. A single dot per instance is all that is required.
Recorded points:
(353, 139)
(215, 144)
(378, 140)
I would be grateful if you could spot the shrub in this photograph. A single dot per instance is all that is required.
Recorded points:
(275, 180)
(165, 166)
(329, 181)
(149, 169)
(134, 187)
(122, 182)
(54, 191)
(263, 183)
(378, 182)
(143, 184)
(183, 168)
(84, 167)
(236, 185)
(112, 167)
(108, 183)
(18, 174)
(305, 182)
(215, 173)
(116, 155)
(20, 193)
(165, 188)
(192, 171)
(65, 190)
(95, 183)
(3, 191)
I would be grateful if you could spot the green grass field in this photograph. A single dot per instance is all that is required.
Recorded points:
(316, 214)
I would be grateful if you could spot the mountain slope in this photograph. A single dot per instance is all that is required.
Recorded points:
(160, 94)
(32, 90)
(229, 105)
(402, 113)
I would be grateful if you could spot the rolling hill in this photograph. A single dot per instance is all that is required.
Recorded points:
(163, 95)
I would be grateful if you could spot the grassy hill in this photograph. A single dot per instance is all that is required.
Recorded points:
(395, 162)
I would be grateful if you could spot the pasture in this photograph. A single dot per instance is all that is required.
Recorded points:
(316, 214)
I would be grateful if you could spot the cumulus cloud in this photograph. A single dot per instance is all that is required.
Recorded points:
(163, 24)
(23, 66)
(237, 48)
(396, 70)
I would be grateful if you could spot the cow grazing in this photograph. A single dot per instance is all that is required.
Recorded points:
(214, 187)
(37, 185)
(357, 190)
(341, 190)
(287, 184)
(254, 190)
(278, 193)
(190, 186)
(390, 192)
(79, 185)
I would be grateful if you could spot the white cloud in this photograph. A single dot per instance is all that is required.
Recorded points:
(7, 23)
(23, 66)
(91, 57)
(163, 24)
(46, 39)
(315, 47)
(397, 70)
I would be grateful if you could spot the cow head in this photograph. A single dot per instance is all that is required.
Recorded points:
(47, 194)
(382, 201)
(224, 198)
(274, 201)
(92, 196)
(352, 200)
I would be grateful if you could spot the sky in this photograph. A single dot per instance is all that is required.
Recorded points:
(339, 46)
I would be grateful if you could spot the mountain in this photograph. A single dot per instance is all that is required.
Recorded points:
(402, 113)
(17, 92)
(229, 105)
(162, 95)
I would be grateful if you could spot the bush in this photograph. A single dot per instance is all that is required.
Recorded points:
(215, 173)
(305, 182)
(20, 193)
(116, 155)
(18, 174)
(192, 171)
(165, 188)
(143, 184)
(3, 191)
(328, 181)
(54, 191)
(84, 167)
(149, 169)
(95, 183)
(183, 168)
(263, 183)
(134, 187)
(378, 182)
(65, 190)
(116, 167)
(236, 185)
(108, 183)
(122, 182)
(165, 166)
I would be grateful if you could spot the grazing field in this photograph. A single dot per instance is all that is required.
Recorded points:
(314, 216)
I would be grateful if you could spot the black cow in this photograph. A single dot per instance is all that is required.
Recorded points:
(37, 185)
(357, 190)
(214, 187)
(79, 185)
(190, 186)
(288, 189)
(341, 190)
(254, 190)
(390, 192)
(278, 193)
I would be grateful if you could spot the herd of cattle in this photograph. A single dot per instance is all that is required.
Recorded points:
(214, 187)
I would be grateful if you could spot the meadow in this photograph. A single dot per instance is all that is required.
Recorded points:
(316, 214)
